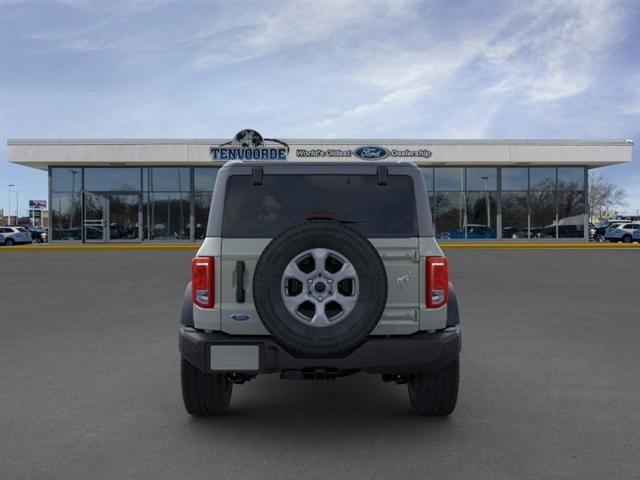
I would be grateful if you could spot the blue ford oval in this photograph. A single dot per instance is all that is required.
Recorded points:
(371, 152)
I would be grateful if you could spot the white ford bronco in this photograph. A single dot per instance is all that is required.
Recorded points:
(319, 270)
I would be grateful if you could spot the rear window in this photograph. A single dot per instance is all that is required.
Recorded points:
(283, 201)
(22, 229)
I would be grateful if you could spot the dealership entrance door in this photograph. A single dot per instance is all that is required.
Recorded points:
(112, 217)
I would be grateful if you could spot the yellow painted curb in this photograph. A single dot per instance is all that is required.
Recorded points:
(443, 245)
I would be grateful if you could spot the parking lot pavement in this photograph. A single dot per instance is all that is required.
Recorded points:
(89, 379)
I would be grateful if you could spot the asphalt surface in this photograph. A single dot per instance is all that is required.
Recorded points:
(550, 384)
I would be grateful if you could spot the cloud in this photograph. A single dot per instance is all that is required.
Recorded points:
(540, 53)
(553, 56)
(292, 24)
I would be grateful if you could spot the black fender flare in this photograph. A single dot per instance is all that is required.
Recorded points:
(186, 312)
(453, 312)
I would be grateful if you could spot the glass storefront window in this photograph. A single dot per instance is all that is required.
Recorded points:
(515, 215)
(167, 216)
(449, 179)
(427, 173)
(66, 179)
(542, 178)
(202, 203)
(204, 179)
(481, 215)
(166, 179)
(515, 179)
(571, 178)
(482, 179)
(571, 211)
(449, 215)
(66, 216)
(464, 201)
(543, 214)
(112, 179)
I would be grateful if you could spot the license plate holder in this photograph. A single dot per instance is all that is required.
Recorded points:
(234, 358)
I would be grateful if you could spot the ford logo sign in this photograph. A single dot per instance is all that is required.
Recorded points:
(240, 317)
(371, 153)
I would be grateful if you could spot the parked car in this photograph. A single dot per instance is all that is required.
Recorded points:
(514, 232)
(319, 286)
(38, 234)
(473, 232)
(598, 232)
(15, 235)
(622, 232)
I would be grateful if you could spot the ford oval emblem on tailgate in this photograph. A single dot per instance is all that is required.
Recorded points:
(240, 317)
(371, 153)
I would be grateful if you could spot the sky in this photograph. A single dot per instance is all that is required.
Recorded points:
(374, 69)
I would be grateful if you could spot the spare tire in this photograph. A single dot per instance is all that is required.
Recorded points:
(320, 288)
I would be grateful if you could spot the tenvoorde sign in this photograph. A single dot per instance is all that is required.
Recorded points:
(241, 153)
(249, 145)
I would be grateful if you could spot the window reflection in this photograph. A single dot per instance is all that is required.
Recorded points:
(449, 179)
(427, 173)
(542, 178)
(515, 214)
(202, 203)
(449, 208)
(515, 179)
(570, 178)
(167, 216)
(481, 215)
(112, 179)
(66, 216)
(571, 212)
(166, 179)
(204, 179)
(66, 179)
(482, 179)
(543, 214)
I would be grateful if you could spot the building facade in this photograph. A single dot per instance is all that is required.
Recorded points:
(134, 190)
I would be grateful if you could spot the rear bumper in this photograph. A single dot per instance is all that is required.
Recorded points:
(419, 352)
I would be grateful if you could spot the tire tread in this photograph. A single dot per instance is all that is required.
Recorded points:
(435, 394)
(204, 394)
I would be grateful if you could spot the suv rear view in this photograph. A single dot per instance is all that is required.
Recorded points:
(319, 270)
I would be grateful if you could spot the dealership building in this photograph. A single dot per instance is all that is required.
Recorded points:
(133, 190)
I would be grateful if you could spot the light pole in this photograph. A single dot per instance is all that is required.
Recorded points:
(9, 214)
(18, 192)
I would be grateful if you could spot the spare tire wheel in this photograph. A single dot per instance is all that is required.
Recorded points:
(320, 288)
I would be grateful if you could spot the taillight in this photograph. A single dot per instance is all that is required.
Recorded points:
(437, 289)
(202, 281)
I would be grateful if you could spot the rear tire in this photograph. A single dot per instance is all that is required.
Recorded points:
(626, 239)
(204, 394)
(435, 394)
(9, 242)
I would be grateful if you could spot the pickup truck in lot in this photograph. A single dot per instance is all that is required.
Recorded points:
(316, 271)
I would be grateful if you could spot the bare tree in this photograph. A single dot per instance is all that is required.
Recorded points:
(604, 196)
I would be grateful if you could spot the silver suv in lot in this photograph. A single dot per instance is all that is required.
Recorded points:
(622, 232)
(317, 271)
(15, 235)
